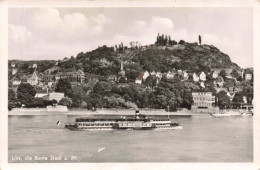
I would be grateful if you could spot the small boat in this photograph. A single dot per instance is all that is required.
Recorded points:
(225, 113)
(247, 113)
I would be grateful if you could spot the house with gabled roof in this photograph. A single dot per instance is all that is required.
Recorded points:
(34, 78)
(158, 75)
(195, 77)
(203, 76)
(153, 73)
(16, 82)
(146, 74)
(139, 78)
(170, 75)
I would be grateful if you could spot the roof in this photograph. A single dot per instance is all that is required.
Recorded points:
(140, 77)
(69, 73)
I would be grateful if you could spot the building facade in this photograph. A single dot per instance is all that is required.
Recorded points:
(34, 79)
(54, 96)
(76, 76)
(203, 99)
(202, 76)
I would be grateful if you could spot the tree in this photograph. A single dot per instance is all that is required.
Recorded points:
(64, 86)
(238, 98)
(234, 73)
(12, 101)
(200, 39)
(25, 93)
(181, 42)
(65, 101)
(223, 99)
(223, 74)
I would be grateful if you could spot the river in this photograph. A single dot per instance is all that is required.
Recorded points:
(202, 139)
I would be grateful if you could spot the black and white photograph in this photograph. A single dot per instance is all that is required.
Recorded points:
(130, 84)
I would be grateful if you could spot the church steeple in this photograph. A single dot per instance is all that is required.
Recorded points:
(121, 65)
(122, 71)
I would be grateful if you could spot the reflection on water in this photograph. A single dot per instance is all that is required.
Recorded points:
(203, 139)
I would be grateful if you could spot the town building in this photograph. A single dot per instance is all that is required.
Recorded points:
(13, 64)
(146, 74)
(112, 78)
(185, 75)
(203, 76)
(16, 82)
(231, 92)
(195, 77)
(179, 72)
(75, 76)
(215, 73)
(170, 75)
(139, 79)
(40, 95)
(158, 75)
(202, 84)
(51, 70)
(248, 76)
(34, 78)
(14, 71)
(219, 82)
(54, 96)
(203, 99)
(153, 73)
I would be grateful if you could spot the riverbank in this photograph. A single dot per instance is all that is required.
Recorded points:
(105, 112)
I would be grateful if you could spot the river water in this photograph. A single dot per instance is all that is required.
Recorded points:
(202, 139)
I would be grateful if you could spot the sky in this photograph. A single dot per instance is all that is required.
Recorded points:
(55, 33)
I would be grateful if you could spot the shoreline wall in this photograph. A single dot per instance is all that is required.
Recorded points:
(47, 109)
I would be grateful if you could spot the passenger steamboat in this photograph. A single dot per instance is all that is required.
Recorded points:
(136, 122)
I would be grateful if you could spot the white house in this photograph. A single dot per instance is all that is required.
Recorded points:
(202, 76)
(13, 64)
(195, 77)
(215, 74)
(54, 96)
(14, 71)
(179, 72)
(202, 84)
(34, 79)
(139, 79)
(159, 75)
(248, 76)
(219, 81)
(16, 82)
(185, 75)
(169, 75)
(146, 74)
(153, 73)
(244, 99)
(40, 95)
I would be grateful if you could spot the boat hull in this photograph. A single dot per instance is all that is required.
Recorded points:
(169, 128)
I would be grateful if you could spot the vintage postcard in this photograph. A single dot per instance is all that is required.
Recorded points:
(94, 84)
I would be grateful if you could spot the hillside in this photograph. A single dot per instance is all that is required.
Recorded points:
(110, 75)
(191, 57)
(105, 60)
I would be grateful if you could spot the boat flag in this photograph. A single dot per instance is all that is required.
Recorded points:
(58, 123)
